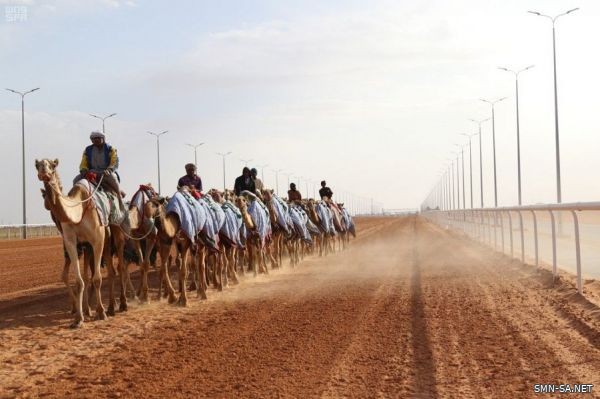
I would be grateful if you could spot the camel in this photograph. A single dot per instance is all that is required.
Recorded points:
(338, 223)
(255, 240)
(142, 230)
(229, 238)
(169, 232)
(78, 224)
(279, 227)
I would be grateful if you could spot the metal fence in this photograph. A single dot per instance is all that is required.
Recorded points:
(496, 227)
(15, 231)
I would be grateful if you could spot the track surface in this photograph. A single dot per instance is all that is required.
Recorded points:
(408, 311)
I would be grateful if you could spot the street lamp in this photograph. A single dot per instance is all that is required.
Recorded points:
(157, 135)
(103, 118)
(288, 178)
(23, 152)
(262, 171)
(492, 103)
(277, 179)
(246, 161)
(516, 73)
(224, 155)
(470, 166)
(553, 19)
(195, 147)
(480, 156)
(462, 154)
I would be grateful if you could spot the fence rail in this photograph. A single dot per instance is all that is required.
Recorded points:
(15, 231)
(481, 224)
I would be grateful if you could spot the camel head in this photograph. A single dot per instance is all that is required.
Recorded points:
(267, 195)
(46, 169)
(154, 207)
(229, 195)
(216, 195)
(241, 203)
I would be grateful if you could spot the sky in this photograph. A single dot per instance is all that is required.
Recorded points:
(370, 96)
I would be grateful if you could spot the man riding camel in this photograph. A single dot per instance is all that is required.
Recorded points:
(101, 159)
(191, 179)
(244, 182)
(293, 194)
(325, 191)
(258, 184)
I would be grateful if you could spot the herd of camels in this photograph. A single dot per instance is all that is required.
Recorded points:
(226, 235)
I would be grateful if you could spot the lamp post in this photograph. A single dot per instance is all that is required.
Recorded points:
(195, 147)
(452, 184)
(516, 73)
(553, 19)
(457, 181)
(480, 156)
(224, 155)
(470, 166)
(492, 103)
(262, 171)
(462, 154)
(23, 153)
(157, 135)
(288, 179)
(277, 179)
(246, 161)
(103, 118)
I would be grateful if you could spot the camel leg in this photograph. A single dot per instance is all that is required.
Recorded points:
(97, 247)
(164, 273)
(201, 267)
(65, 279)
(71, 247)
(143, 295)
(119, 240)
(109, 262)
(183, 274)
(231, 264)
(88, 273)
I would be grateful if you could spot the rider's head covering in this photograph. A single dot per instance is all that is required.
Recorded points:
(96, 134)
(254, 171)
(292, 186)
(323, 182)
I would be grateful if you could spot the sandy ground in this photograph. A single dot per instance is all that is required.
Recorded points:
(408, 311)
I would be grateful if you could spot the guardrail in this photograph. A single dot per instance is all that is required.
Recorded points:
(475, 222)
(14, 231)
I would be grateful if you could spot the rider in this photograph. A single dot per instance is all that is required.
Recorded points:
(293, 194)
(325, 191)
(191, 179)
(258, 184)
(244, 182)
(101, 159)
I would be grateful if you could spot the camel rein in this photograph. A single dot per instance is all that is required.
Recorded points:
(144, 236)
(74, 202)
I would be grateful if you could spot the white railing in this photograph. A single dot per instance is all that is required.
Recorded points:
(15, 231)
(481, 224)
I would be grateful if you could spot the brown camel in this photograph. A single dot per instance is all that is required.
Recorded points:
(256, 251)
(79, 223)
(169, 233)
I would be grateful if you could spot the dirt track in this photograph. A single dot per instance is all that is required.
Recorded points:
(408, 311)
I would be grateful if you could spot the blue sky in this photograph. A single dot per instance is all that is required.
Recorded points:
(370, 96)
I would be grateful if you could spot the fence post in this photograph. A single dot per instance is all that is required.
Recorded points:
(577, 253)
(535, 235)
(554, 268)
(510, 227)
(502, 230)
(522, 237)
